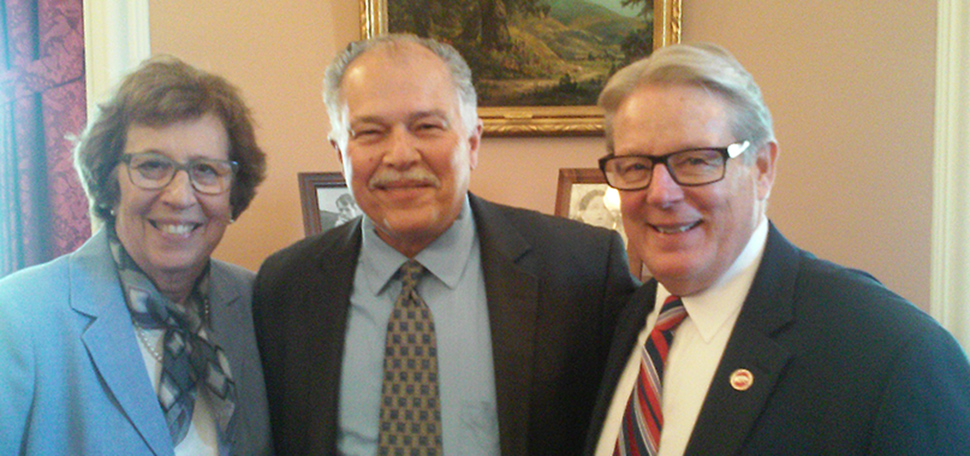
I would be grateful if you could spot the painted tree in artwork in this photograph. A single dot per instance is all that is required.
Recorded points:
(495, 26)
(483, 23)
(646, 11)
(533, 52)
(495, 16)
(414, 16)
(639, 44)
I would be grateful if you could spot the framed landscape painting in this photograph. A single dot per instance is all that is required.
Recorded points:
(538, 65)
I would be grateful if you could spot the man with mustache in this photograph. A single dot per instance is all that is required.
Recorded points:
(744, 344)
(498, 350)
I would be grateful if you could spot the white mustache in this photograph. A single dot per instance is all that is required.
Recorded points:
(417, 175)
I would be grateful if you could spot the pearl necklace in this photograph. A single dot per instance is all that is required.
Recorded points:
(143, 337)
(143, 334)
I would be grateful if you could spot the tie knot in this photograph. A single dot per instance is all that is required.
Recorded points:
(410, 273)
(671, 314)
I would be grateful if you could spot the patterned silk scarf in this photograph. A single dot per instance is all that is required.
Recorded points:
(189, 357)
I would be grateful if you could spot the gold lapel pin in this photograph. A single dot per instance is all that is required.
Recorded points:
(742, 379)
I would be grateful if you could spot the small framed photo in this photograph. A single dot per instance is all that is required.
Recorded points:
(326, 202)
(583, 195)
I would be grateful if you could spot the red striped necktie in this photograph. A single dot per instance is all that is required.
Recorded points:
(643, 419)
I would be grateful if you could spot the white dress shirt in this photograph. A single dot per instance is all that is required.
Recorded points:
(697, 347)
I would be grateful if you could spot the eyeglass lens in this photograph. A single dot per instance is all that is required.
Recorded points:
(692, 167)
(152, 171)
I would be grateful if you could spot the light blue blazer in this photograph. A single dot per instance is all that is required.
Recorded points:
(72, 376)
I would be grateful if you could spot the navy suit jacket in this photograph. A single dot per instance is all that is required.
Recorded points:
(554, 288)
(841, 365)
(72, 376)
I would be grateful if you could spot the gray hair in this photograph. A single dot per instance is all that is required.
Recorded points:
(461, 76)
(703, 65)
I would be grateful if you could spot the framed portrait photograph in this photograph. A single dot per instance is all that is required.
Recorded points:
(326, 202)
(538, 65)
(583, 195)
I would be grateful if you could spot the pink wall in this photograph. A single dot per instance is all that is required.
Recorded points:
(850, 83)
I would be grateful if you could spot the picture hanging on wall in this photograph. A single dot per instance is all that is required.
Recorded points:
(326, 202)
(583, 195)
(538, 65)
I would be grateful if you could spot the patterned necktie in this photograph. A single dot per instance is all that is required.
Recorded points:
(189, 357)
(410, 410)
(643, 418)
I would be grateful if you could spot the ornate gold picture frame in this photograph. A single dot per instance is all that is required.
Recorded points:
(551, 94)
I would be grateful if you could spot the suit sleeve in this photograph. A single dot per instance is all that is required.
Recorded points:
(620, 285)
(268, 288)
(265, 341)
(16, 373)
(268, 315)
(926, 405)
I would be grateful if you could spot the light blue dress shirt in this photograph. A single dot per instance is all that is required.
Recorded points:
(454, 289)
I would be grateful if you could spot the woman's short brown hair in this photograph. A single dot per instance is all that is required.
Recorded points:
(162, 91)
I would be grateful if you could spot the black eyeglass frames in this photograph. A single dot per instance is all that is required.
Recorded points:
(690, 167)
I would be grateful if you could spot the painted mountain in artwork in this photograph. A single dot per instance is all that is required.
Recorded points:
(569, 54)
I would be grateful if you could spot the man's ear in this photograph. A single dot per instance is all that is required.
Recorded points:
(336, 147)
(340, 158)
(474, 142)
(765, 167)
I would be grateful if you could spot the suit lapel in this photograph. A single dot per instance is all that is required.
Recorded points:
(729, 414)
(512, 292)
(326, 323)
(629, 324)
(111, 343)
(224, 292)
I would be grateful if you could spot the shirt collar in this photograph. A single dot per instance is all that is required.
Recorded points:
(445, 257)
(712, 308)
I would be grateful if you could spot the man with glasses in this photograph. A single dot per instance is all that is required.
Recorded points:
(743, 343)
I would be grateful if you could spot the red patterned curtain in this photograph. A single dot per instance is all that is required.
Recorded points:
(43, 210)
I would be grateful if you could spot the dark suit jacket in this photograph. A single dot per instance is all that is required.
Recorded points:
(554, 288)
(841, 366)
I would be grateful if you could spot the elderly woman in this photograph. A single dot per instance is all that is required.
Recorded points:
(139, 342)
